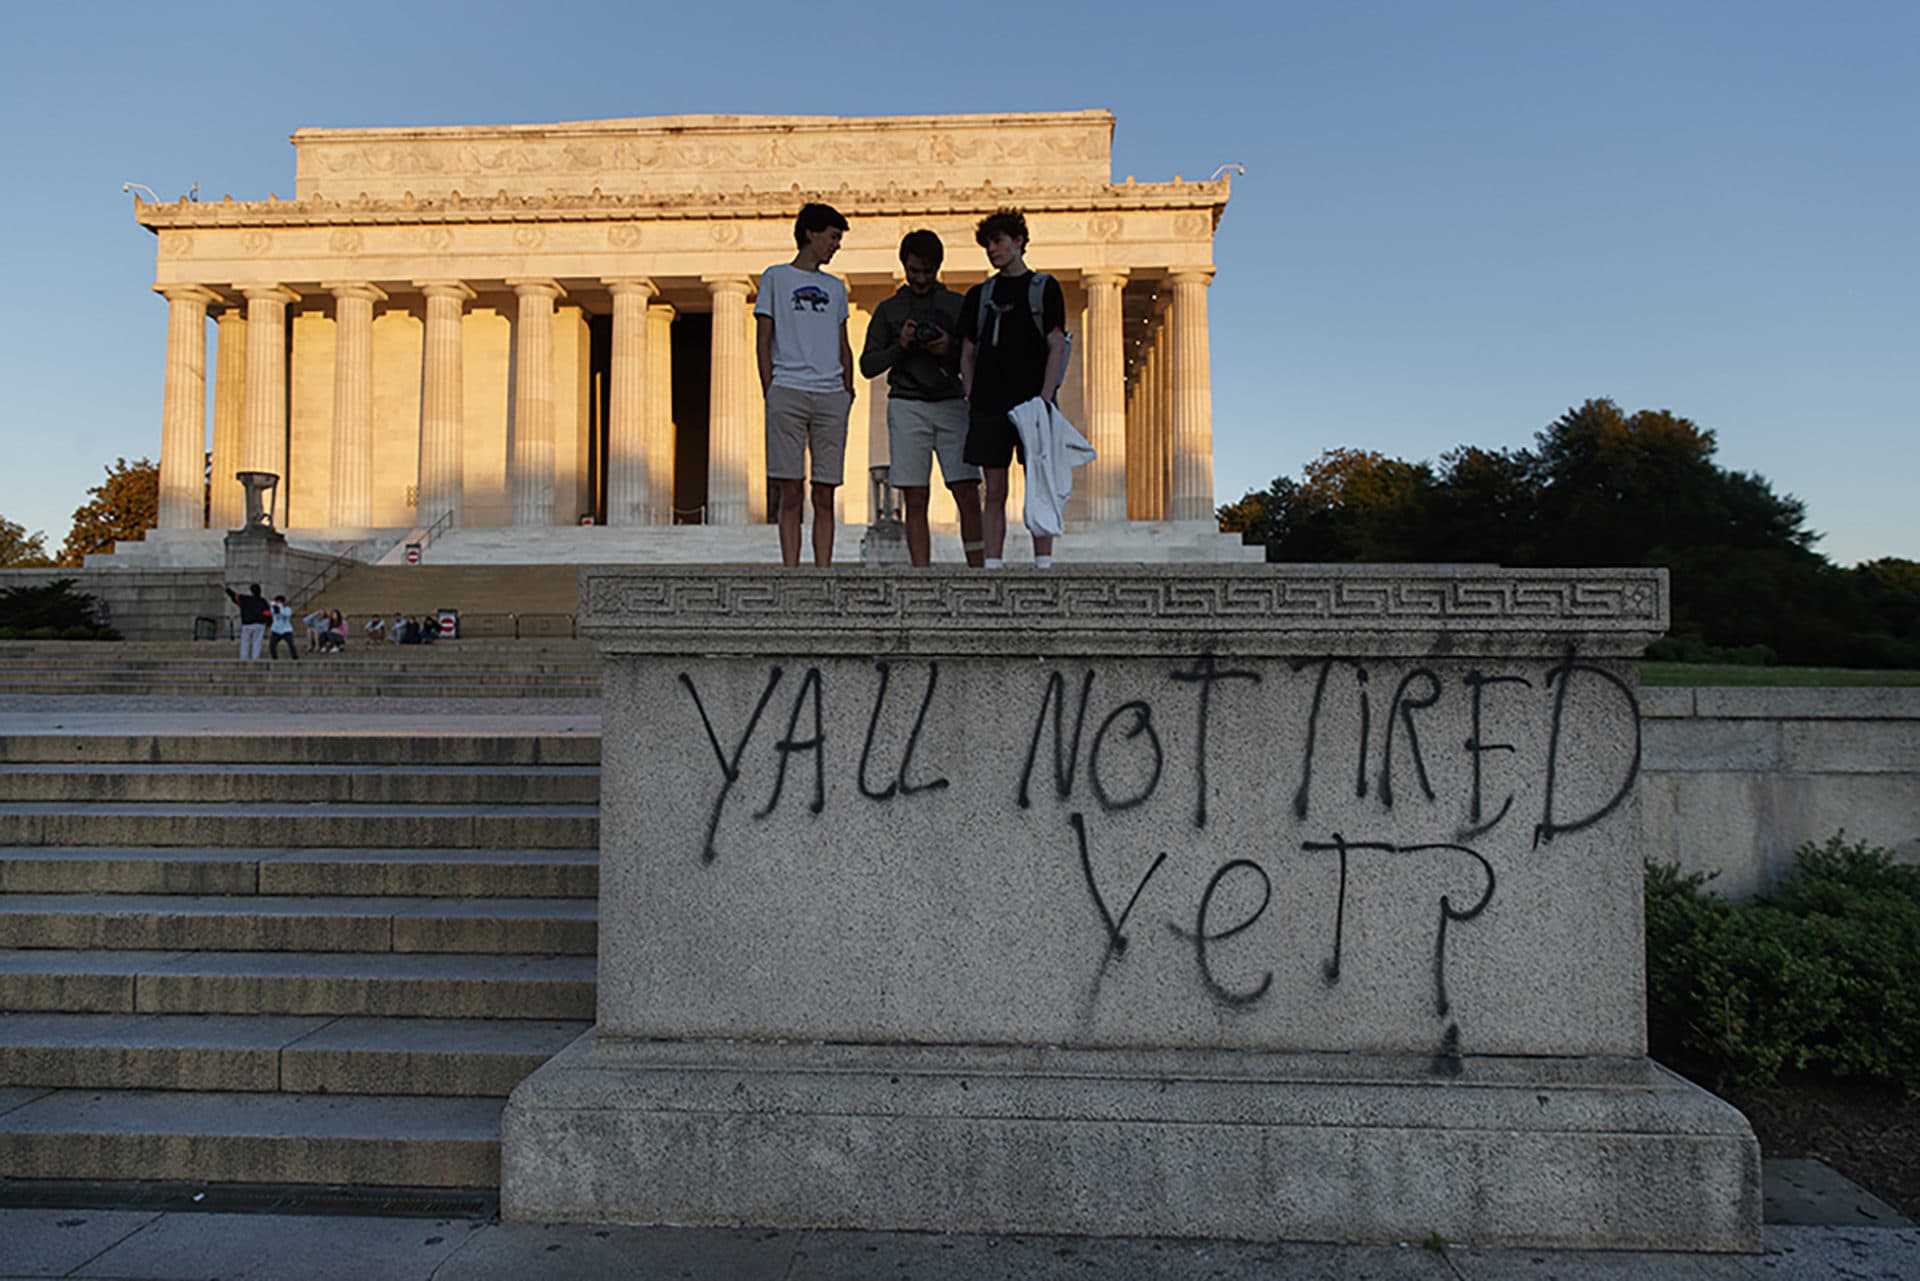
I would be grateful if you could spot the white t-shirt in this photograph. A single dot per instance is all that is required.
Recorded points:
(808, 309)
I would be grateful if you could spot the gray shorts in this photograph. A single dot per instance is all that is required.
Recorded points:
(919, 429)
(803, 423)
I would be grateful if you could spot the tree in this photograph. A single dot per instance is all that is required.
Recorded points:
(19, 549)
(122, 509)
(1604, 487)
(1351, 505)
(1263, 518)
(1485, 507)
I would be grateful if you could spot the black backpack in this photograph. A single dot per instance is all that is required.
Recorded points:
(1036, 304)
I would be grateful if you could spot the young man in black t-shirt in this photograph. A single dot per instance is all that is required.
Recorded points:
(1008, 362)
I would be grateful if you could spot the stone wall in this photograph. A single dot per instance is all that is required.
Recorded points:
(141, 604)
(148, 603)
(1737, 779)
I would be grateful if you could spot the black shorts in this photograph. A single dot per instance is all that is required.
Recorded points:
(992, 439)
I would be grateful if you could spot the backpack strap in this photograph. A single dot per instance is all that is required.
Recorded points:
(1037, 300)
(1037, 303)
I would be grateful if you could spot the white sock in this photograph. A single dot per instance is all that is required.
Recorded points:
(994, 562)
(1043, 562)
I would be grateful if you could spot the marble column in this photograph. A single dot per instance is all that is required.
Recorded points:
(758, 499)
(1073, 399)
(350, 499)
(263, 433)
(729, 411)
(1106, 396)
(532, 461)
(1149, 459)
(183, 408)
(442, 402)
(229, 506)
(1160, 439)
(658, 423)
(1191, 397)
(851, 503)
(629, 486)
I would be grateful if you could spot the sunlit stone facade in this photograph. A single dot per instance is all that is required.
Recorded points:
(540, 325)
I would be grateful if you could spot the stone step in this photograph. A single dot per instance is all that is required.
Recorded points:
(493, 649)
(288, 826)
(141, 687)
(279, 675)
(387, 984)
(507, 873)
(305, 749)
(302, 1055)
(367, 784)
(216, 663)
(271, 923)
(238, 1137)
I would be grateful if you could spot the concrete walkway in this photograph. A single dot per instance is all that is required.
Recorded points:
(281, 1247)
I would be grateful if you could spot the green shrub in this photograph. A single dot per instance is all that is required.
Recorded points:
(1823, 977)
(1693, 648)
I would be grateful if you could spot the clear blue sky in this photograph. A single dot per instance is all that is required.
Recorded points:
(1458, 219)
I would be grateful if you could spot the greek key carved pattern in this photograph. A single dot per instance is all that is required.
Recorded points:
(1186, 600)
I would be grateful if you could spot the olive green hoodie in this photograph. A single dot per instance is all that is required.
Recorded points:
(913, 373)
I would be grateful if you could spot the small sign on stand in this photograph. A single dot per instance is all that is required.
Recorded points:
(413, 553)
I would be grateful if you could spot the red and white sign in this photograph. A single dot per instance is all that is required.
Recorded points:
(413, 553)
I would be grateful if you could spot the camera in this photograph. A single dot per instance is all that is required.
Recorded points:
(927, 333)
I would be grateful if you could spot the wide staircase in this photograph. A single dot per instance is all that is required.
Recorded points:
(471, 668)
(309, 960)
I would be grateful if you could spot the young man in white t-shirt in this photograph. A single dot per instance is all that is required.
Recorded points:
(806, 371)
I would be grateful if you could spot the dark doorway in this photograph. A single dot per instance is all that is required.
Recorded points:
(692, 394)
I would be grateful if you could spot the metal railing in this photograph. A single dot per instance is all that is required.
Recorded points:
(528, 626)
(439, 527)
(337, 564)
(513, 626)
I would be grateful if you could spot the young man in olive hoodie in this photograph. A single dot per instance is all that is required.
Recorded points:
(913, 338)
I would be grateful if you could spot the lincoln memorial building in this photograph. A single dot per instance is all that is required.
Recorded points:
(497, 336)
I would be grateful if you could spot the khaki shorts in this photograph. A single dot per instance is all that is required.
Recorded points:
(919, 429)
(807, 423)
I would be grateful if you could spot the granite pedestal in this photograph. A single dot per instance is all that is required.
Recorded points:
(1216, 901)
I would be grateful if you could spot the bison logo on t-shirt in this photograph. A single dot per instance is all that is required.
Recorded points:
(810, 296)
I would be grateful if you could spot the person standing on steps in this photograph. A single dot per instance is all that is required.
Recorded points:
(254, 612)
(1014, 347)
(914, 338)
(806, 373)
(282, 628)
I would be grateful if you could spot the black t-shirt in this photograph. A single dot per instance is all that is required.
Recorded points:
(1011, 361)
(253, 609)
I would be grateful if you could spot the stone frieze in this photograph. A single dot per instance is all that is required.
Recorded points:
(1128, 609)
